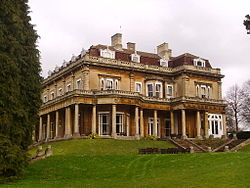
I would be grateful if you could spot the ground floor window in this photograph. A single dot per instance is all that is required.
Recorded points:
(103, 123)
(215, 125)
(119, 123)
(151, 126)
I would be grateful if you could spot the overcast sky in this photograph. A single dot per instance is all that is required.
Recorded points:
(211, 29)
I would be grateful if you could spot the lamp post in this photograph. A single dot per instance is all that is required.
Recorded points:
(247, 23)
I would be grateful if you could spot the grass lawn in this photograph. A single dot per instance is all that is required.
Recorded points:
(115, 163)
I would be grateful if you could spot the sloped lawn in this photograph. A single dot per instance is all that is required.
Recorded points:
(114, 163)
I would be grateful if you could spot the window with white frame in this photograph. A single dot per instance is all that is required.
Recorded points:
(164, 62)
(135, 58)
(150, 89)
(138, 87)
(45, 98)
(158, 90)
(52, 95)
(151, 126)
(107, 53)
(104, 123)
(60, 92)
(199, 62)
(68, 87)
(109, 84)
(215, 125)
(154, 89)
(170, 91)
(78, 84)
(119, 123)
(203, 91)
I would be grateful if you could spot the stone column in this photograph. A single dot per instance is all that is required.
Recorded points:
(206, 125)
(141, 123)
(48, 127)
(113, 120)
(136, 121)
(93, 129)
(172, 122)
(57, 124)
(40, 128)
(198, 124)
(155, 123)
(224, 125)
(68, 132)
(76, 123)
(183, 123)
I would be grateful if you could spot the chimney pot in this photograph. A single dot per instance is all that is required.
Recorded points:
(163, 51)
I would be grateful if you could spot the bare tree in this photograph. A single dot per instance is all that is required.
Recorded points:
(245, 112)
(247, 23)
(234, 100)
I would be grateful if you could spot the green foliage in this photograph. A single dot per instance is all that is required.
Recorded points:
(243, 135)
(19, 78)
(93, 136)
(150, 137)
(19, 73)
(12, 159)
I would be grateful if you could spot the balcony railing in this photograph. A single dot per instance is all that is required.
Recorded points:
(129, 94)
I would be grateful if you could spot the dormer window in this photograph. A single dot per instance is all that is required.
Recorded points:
(199, 62)
(107, 53)
(135, 58)
(164, 62)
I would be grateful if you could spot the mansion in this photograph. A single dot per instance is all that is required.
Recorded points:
(123, 93)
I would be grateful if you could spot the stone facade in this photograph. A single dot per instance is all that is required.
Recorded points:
(117, 92)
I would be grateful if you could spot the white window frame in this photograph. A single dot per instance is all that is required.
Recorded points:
(116, 86)
(160, 91)
(170, 95)
(111, 82)
(52, 95)
(150, 83)
(102, 84)
(68, 87)
(100, 127)
(213, 121)
(138, 89)
(78, 84)
(60, 93)
(164, 62)
(107, 53)
(120, 124)
(203, 91)
(151, 123)
(135, 58)
(196, 62)
(45, 98)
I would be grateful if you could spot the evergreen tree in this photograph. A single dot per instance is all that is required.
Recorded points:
(19, 73)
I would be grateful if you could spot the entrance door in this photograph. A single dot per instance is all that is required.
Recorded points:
(119, 124)
(167, 128)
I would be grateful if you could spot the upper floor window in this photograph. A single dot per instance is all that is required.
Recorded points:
(60, 92)
(199, 62)
(154, 89)
(45, 98)
(135, 58)
(68, 87)
(52, 94)
(109, 84)
(138, 87)
(164, 62)
(107, 53)
(78, 84)
(170, 91)
(203, 91)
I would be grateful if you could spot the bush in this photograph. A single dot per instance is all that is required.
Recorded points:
(13, 160)
(150, 137)
(93, 136)
(243, 135)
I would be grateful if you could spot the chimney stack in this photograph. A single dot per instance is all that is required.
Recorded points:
(163, 51)
(116, 41)
(131, 46)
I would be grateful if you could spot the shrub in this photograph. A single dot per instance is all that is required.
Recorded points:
(93, 136)
(150, 137)
(13, 160)
(243, 135)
